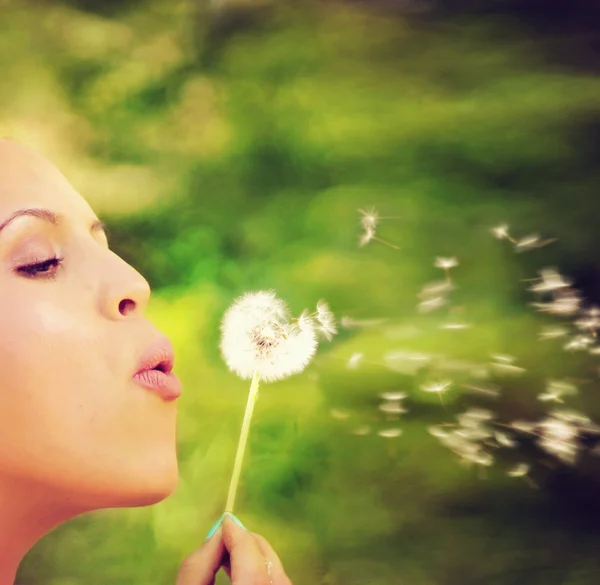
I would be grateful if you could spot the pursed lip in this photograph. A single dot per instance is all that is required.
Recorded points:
(155, 370)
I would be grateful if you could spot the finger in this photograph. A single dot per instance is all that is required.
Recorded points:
(275, 567)
(247, 561)
(202, 565)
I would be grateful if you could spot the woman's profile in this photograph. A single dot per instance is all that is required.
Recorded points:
(74, 348)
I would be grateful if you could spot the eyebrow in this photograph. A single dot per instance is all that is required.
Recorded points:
(49, 216)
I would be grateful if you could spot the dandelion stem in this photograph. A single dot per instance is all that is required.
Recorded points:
(239, 456)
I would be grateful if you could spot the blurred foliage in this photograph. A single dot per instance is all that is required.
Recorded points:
(228, 145)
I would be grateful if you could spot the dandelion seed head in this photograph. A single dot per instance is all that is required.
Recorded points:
(258, 336)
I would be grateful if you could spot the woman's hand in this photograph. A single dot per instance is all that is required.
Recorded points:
(247, 558)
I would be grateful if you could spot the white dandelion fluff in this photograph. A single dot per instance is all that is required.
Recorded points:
(258, 336)
(260, 341)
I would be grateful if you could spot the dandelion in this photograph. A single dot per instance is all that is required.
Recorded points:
(259, 341)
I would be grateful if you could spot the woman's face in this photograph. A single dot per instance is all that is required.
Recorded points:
(72, 420)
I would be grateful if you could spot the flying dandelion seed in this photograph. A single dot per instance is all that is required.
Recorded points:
(393, 396)
(550, 281)
(260, 341)
(578, 343)
(405, 362)
(556, 389)
(504, 440)
(504, 365)
(355, 360)
(349, 322)
(390, 433)
(501, 232)
(454, 326)
(524, 426)
(553, 332)
(532, 242)
(432, 304)
(565, 303)
(558, 438)
(436, 289)
(325, 319)
(520, 470)
(339, 414)
(436, 387)
(362, 430)
(446, 264)
(392, 408)
(369, 222)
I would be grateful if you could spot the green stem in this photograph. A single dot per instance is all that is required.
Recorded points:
(239, 456)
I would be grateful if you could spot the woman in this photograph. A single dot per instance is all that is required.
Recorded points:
(74, 341)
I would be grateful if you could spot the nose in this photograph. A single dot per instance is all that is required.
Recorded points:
(126, 291)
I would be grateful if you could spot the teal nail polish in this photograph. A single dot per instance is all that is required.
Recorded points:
(235, 519)
(215, 527)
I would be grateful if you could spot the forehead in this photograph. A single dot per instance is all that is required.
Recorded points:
(29, 180)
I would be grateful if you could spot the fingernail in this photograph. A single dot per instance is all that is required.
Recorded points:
(215, 527)
(235, 519)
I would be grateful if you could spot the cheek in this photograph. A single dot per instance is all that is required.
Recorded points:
(69, 413)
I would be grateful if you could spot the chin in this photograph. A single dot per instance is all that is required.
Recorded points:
(130, 488)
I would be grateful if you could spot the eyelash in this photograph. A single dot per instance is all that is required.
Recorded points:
(37, 270)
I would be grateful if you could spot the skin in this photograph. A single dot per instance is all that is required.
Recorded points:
(76, 432)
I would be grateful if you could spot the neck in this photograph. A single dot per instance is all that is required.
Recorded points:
(27, 513)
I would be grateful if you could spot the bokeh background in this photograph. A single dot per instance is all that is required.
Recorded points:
(228, 145)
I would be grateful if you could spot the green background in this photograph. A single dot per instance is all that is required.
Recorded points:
(228, 146)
